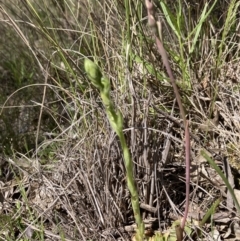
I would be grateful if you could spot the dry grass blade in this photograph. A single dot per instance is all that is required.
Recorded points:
(52, 116)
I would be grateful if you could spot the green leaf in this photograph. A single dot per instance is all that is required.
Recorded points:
(197, 29)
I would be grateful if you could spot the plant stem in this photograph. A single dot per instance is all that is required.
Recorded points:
(156, 26)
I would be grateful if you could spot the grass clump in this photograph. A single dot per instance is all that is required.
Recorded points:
(55, 135)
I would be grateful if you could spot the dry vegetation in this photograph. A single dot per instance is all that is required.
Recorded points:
(62, 171)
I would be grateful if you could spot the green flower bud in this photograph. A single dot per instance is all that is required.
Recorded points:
(93, 73)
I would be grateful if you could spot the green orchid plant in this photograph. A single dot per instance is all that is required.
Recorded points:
(116, 121)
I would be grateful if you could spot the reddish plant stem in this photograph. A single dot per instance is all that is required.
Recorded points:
(187, 160)
(187, 136)
(152, 23)
(163, 53)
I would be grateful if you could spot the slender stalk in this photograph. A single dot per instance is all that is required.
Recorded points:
(116, 121)
(156, 27)
(132, 187)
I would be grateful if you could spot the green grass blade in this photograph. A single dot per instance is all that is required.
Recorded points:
(220, 173)
(210, 212)
(231, 18)
(198, 28)
(171, 20)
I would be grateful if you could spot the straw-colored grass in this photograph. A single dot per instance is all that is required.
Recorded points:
(62, 166)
